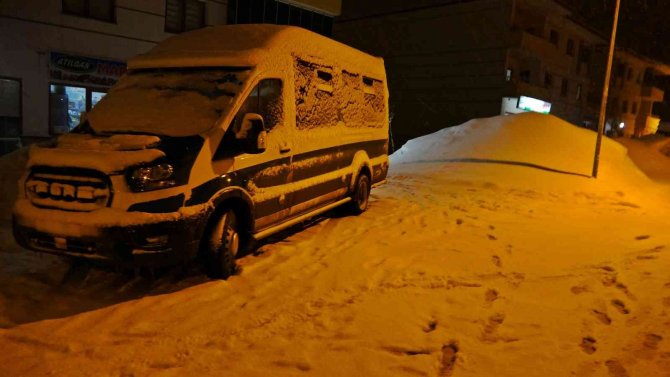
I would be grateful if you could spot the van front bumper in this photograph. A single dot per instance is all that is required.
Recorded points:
(123, 238)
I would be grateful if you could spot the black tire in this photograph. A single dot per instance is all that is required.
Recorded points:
(222, 246)
(361, 195)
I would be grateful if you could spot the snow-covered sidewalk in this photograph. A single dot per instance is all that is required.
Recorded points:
(487, 253)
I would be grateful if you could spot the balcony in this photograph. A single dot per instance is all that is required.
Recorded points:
(541, 48)
(653, 94)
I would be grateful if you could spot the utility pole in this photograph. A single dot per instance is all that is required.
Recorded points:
(606, 88)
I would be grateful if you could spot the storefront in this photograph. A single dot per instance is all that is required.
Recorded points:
(76, 84)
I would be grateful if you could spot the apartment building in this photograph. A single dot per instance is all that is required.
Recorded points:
(449, 61)
(59, 57)
(633, 93)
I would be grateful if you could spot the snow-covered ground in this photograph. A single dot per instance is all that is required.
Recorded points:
(489, 252)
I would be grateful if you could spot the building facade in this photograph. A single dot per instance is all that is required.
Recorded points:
(633, 93)
(59, 57)
(449, 61)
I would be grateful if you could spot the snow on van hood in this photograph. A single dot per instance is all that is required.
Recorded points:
(107, 154)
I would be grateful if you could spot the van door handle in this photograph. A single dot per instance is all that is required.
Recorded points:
(284, 149)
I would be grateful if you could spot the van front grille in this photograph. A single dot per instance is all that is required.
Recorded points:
(69, 189)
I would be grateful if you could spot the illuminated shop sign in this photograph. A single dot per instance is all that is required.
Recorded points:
(84, 70)
(534, 104)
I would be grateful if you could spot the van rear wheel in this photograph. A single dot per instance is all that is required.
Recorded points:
(361, 194)
(223, 245)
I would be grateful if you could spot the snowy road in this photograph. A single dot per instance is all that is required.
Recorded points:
(457, 269)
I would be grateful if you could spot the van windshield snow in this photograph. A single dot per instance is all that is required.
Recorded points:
(174, 102)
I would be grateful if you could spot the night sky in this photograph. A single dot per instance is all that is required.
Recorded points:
(643, 24)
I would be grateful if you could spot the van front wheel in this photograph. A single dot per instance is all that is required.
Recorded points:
(361, 195)
(222, 246)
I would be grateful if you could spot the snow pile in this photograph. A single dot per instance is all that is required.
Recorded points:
(528, 139)
(651, 154)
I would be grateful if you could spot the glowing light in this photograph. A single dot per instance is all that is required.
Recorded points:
(622, 125)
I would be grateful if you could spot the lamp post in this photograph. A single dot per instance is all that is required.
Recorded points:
(606, 88)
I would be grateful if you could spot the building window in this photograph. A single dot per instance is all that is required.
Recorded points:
(103, 10)
(10, 108)
(524, 76)
(633, 109)
(570, 47)
(508, 75)
(553, 37)
(276, 12)
(548, 80)
(629, 75)
(624, 107)
(184, 15)
(579, 92)
(564, 87)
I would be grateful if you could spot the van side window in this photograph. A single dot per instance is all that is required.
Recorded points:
(264, 99)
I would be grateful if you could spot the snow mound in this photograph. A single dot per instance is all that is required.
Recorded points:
(528, 139)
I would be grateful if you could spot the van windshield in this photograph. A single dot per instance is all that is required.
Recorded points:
(171, 102)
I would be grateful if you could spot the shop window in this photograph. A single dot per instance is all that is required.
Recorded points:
(553, 37)
(96, 97)
(277, 12)
(67, 103)
(570, 47)
(184, 15)
(103, 10)
(10, 108)
(564, 88)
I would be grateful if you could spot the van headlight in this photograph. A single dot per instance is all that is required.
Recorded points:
(152, 177)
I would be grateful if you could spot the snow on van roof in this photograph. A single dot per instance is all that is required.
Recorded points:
(248, 45)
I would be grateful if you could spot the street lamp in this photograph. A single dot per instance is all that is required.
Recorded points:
(606, 87)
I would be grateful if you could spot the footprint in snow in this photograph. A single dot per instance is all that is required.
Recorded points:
(615, 369)
(620, 306)
(496, 261)
(602, 317)
(588, 345)
(643, 237)
(448, 359)
(491, 295)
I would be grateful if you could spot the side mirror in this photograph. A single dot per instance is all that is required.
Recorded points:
(252, 133)
(261, 141)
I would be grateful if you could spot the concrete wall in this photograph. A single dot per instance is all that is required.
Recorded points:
(445, 60)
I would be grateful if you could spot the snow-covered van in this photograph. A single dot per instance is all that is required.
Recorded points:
(213, 139)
